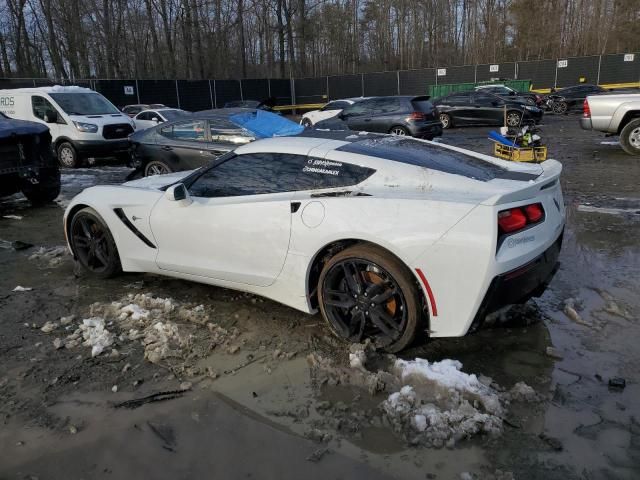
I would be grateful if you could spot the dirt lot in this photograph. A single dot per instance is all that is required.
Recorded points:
(257, 390)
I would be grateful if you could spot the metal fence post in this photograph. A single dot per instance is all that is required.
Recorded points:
(269, 87)
(327, 88)
(215, 95)
(137, 91)
(515, 70)
(292, 90)
(475, 73)
(599, 62)
(241, 95)
(398, 78)
(362, 84)
(211, 95)
(177, 94)
(555, 80)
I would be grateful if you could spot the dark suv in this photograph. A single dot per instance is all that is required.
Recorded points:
(398, 115)
(27, 163)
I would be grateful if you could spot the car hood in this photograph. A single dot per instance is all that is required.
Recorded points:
(9, 126)
(156, 182)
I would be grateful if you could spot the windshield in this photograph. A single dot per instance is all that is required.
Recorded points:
(84, 103)
(174, 114)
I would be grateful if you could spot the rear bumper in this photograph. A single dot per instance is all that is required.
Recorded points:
(521, 284)
(426, 130)
(101, 148)
(585, 123)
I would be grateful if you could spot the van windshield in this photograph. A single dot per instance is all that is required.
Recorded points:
(83, 103)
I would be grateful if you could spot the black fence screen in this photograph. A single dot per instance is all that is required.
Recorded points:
(610, 70)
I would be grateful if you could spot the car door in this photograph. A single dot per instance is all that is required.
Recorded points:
(358, 115)
(236, 222)
(458, 106)
(185, 144)
(488, 109)
(385, 114)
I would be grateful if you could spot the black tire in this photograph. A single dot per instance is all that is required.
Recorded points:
(531, 101)
(445, 119)
(400, 131)
(514, 119)
(92, 244)
(350, 307)
(47, 188)
(156, 167)
(67, 155)
(630, 137)
(560, 107)
(306, 123)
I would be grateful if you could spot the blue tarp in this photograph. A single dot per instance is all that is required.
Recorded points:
(9, 126)
(266, 124)
(496, 137)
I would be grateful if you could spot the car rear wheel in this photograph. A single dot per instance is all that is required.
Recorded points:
(366, 293)
(93, 245)
(630, 137)
(514, 119)
(306, 123)
(560, 107)
(400, 131)
(67, 155)
(156, 167)
(445, 120)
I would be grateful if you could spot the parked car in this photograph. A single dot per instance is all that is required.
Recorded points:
(316, 223)
(503, 91)
(151, 118)
(570, 98)
(483, 108)
(82, 123)
(133, 110)
(27, 163)
(615, 114)
(192, 142)
(330, 110)
(398, 115)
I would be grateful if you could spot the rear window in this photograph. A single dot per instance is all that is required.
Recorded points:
(414, 152)
(422, 106)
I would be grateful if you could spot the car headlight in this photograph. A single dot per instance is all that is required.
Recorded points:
(531, 109)
(86, 127)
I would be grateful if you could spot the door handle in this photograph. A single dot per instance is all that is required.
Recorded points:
(167, 148)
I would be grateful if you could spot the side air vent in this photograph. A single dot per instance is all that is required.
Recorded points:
(120, 213)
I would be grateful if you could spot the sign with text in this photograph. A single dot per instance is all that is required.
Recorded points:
(629, 57)
(563, 63)
(494, 68)
(128, 90)
(442, 72)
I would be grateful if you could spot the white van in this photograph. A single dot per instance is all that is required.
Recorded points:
(82, 122)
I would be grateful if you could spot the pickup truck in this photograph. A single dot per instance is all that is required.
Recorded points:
(614, 115)
(27, 163)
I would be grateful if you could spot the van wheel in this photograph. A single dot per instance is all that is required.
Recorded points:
(630, 137)
(67, 155)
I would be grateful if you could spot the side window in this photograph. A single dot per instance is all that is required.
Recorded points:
(337, 105)
(361, 108)
(263, 173)
(484, 99)
(191, 131)
(144, 116)
(457, 99)
(387, 105)
(250, 174)
(223, 131)
(42, 108)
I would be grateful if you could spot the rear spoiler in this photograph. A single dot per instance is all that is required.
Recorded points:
(551, 170)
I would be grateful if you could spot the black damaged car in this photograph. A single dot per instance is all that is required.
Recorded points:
(27, 163)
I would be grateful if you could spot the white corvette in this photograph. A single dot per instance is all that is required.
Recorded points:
(387, 236)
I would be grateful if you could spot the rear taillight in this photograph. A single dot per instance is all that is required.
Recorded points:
(586, 110)
(515, 219)
(417, 116)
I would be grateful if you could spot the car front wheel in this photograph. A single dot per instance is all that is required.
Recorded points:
(445, 120)
(93, 245)
(514, 119)
(306, 122)
(365, 292)
(630, 137)
(560, 107)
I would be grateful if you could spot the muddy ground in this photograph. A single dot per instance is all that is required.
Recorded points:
(245, 402)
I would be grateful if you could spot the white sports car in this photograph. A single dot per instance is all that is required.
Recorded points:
(387, 236)
(330, 110)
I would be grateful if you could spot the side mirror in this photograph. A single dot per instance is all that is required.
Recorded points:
(51, 116)
(155, 119)
(177, 192)
(512, 93)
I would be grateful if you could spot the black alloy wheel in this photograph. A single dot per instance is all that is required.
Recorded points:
(93, 244)
(366, 294)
